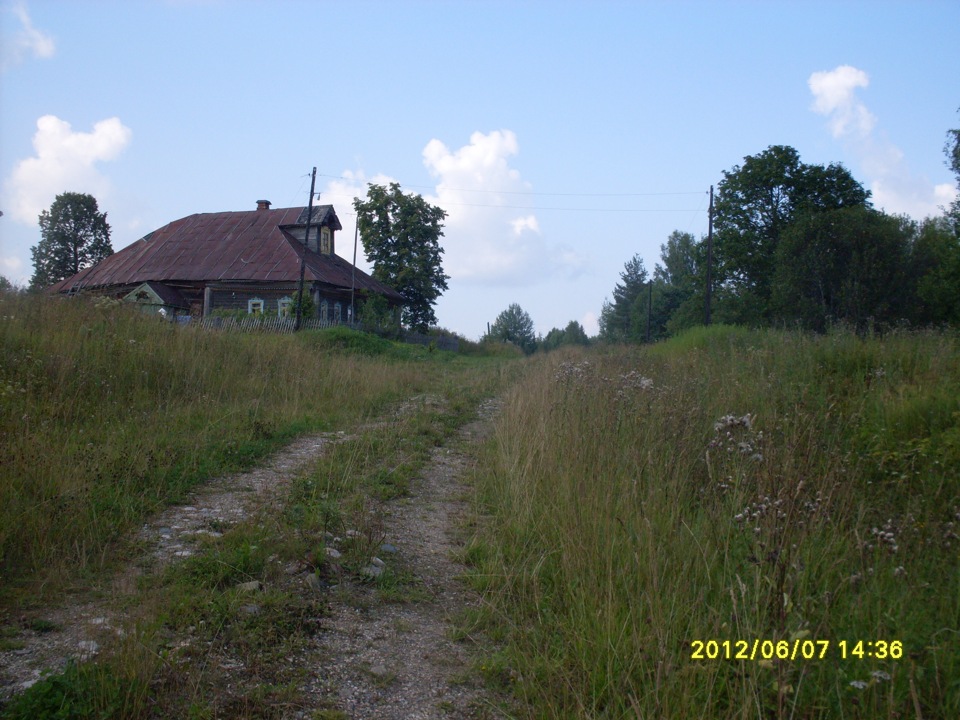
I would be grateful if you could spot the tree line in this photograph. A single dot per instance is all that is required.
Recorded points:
(796, 245)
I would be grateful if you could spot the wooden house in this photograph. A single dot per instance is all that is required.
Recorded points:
(245, 261)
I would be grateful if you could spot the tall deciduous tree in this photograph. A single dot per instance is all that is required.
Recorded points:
(847, 265)
(755, 203)
(74, 235)
(401, 237)
(514, 325)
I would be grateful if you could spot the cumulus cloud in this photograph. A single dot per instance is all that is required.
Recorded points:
(65, 161)
(26, 41)
(894, 187)
(491, 235)
(834, 95)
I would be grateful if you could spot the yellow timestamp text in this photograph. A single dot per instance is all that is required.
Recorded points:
(797, 649)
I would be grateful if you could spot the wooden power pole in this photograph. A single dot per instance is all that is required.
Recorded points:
(303, 257)
(709, 289)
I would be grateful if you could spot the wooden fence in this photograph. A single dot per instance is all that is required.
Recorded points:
(261, 323)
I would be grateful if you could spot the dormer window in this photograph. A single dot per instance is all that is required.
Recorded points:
(325, 241)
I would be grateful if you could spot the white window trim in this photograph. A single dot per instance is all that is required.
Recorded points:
(250, 306)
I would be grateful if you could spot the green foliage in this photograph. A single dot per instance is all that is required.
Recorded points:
(81, 692)
(74, 235)
(620, 320)
(572, 334)
(514, 325)
(375, 313)
(935, 263)
(847, 265)
(755, 203)
(401, 238)
(304, 303)
(952, 150)
(796, 245)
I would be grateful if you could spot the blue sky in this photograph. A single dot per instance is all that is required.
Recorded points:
(562, 138)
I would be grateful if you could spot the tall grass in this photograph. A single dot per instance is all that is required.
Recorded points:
(106, 415)
(728, 485)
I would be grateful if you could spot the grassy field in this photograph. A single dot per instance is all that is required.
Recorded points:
(643, 513)
(650, 512)
(107, 415)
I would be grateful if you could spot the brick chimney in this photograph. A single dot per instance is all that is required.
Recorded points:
(263, 204)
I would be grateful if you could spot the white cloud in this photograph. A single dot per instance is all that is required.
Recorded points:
(26, 41)
(525, 223)
(894, 187)
(591, 324)
(490, 235)
(834, 96)
(65, 161)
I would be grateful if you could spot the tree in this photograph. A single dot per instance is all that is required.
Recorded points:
(935, 268)
(618, 319)
(755, 203)
(847, 265)
(303, 302)
(572, 334)
(401, 237)
(952, 151)
(516, 326)
(74, 235)
(678, 286)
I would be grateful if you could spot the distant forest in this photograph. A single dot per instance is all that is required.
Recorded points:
(799, 246)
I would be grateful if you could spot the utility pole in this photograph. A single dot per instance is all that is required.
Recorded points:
(649, 307)
(353, 273)
(706, 312)
(303, 256)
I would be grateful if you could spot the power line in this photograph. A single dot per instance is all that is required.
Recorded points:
(543, 207)
(545, 194)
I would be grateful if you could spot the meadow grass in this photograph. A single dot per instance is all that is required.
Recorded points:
(107, 415)
(728, 485)
(205, 403)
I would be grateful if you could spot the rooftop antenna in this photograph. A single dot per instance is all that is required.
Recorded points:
(303, 256)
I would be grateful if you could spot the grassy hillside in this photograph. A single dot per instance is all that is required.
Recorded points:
(728, 486)
(107, 415)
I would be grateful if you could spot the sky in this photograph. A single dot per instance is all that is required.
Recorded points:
(561, 138)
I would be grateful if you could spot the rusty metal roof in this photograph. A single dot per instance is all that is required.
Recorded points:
(248, 246)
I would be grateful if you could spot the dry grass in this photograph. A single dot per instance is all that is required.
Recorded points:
(728, 485)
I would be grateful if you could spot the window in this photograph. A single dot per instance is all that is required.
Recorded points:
(336, 313)
(255, 306)
(323, 311)
(283, 306)
(325, 241)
